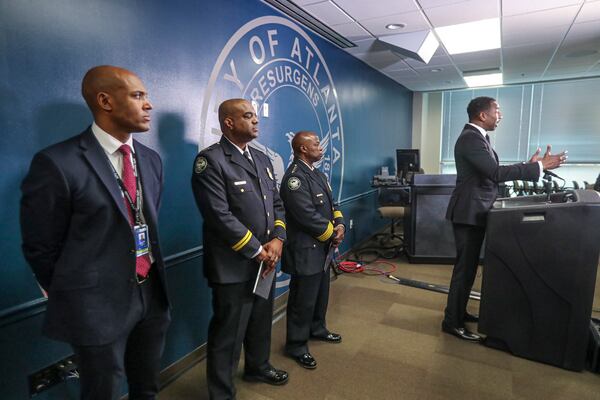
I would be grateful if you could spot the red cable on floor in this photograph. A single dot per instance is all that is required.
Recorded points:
(352, 267)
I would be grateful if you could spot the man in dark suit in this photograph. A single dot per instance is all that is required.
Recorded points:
(314, 227)
(478, 175)
(244, 225)
(89, 227)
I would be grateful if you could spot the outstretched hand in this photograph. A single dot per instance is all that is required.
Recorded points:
(552, 161)
(536, 156)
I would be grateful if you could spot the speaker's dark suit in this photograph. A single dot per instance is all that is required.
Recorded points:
(311, 218)
(241, 208)
(478, 175)
(78, 241)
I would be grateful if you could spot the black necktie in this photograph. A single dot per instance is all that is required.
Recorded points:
(247, 155)
(487, 137)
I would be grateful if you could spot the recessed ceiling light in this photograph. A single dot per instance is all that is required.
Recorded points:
(471, 36)
(396, 26)
(483, 78)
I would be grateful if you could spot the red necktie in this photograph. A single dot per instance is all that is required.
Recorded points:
(142, 263)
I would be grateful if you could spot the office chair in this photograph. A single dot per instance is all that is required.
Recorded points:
(391, 205)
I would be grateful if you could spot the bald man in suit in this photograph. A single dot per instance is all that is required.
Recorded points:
(89, 226)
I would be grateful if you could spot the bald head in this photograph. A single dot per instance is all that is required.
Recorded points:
(302, 138)
(238, 120)
(118, 100)
(228, 108)
(307, 147)
(103, 78)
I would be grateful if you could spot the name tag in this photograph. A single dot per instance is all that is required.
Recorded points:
(320, 195)
(140, 234)
(239, 183)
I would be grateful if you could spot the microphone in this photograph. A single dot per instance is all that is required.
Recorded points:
(550, 173)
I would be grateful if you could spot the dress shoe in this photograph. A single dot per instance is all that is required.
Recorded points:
(271, 376)
(461, 333)
(305, 360)
(471, 317)
(330, 337)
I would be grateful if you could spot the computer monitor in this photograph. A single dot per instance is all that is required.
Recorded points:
(407, 163)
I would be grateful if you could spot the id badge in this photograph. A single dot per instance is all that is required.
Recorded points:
(140, 234)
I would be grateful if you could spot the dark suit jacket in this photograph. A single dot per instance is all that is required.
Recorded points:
(77, 237)
(241, 210)
(311, 217)
(478, 175)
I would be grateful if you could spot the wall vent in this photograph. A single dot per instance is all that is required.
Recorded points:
(298, 14)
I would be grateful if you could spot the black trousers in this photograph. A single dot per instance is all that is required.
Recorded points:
(306, 310)
(239, 317)
(136, 354)
(468, 239)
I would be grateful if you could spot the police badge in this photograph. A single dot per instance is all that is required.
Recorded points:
(200, 165)
(293, 183)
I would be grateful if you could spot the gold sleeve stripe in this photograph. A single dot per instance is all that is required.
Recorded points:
(243, 241)
(280, 223)
(337, 214)
(327, 234)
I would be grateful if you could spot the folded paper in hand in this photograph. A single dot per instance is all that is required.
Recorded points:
(329, 257)
(262, 285)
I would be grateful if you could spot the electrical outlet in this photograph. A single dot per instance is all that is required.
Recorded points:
(351, 224)
(51, 375)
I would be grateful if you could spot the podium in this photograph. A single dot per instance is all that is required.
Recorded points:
(428, 235)
(539, 276)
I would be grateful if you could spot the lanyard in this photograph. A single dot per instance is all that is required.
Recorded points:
(138, 197)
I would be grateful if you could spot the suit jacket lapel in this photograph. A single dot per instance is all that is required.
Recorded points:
(488, 145)
(236, 157)
(99, 162)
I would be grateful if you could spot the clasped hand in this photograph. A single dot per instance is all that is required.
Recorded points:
(270, 255)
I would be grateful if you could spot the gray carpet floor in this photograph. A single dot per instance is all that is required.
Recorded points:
(393, 349)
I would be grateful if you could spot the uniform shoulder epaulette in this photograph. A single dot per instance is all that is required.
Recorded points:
(212, 147)
(294, 168)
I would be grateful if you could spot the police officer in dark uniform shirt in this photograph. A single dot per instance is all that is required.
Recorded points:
(244, 224)
(313, 226)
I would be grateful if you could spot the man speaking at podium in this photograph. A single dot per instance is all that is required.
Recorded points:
(478, 174)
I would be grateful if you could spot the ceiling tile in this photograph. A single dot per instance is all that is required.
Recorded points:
(406, 73)
(362, 46)
(400, 65)
(437, 3)
(327, 13)
(589, 12)
(537, 27)
(414, 22)
(380, 59)
(513, 7)
(466, 11)
(360, 9)
(434, 62)
(307, 2)
(487, 59)
(351, 31)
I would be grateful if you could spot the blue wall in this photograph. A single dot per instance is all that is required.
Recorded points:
(175, 47)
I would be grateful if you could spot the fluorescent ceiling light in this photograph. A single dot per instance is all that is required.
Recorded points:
(488, 79)
(471, 36)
